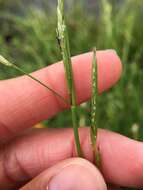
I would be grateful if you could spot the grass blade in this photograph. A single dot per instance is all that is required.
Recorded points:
(9, 64)
(63, 40)
(93, 129)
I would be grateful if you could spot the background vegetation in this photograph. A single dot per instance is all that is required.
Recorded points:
(28, 36)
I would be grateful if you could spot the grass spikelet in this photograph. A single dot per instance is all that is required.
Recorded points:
(93, 129)
(5, 61)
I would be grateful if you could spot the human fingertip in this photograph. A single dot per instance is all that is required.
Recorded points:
(109, 68)
(77, 176)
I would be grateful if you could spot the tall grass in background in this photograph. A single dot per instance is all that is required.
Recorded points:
(123, 103)
(32, 43)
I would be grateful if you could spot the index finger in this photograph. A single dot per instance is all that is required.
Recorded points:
(24, 102)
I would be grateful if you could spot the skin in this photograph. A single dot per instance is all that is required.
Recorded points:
(45, 159)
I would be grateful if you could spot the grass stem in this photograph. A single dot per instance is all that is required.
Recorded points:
(63, 40)
(8, 64)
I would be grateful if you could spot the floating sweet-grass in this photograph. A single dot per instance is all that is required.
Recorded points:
(63, 40)
(5, 62)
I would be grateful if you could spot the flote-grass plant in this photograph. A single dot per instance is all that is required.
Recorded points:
(94, 101)
(63, 40)
(7, 63)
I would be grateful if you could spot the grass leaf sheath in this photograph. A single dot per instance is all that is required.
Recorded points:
(63, 39)
(93, 129)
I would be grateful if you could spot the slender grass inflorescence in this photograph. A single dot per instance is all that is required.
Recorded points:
(9, 64)
(93, 129)
(63, 40)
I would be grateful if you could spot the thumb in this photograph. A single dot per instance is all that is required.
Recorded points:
(75, 173)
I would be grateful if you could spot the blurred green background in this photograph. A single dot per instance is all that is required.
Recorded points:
(28, 37)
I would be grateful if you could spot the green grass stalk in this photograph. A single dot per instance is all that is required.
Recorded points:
(93, 128)
(63, 39)
(9, 64)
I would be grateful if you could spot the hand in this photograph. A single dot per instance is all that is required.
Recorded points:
(44, 159)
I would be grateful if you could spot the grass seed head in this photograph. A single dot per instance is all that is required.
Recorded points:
(5, 61)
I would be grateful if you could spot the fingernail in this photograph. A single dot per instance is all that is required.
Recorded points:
(111, 51)
(77, 177)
